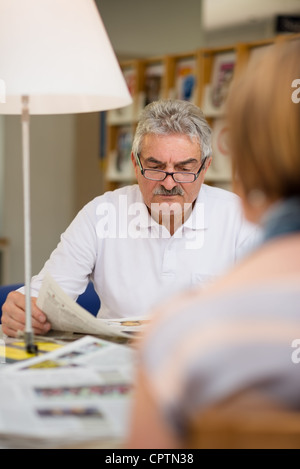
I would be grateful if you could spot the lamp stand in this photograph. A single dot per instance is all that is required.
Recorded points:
(28, 335)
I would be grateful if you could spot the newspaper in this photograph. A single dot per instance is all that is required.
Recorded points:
(66, 315)
(78, 393)
(88, 351)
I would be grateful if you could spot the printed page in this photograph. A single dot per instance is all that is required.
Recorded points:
(64, 314)
(58, 406)
(128, 325)
(88, 351)
(81, 391)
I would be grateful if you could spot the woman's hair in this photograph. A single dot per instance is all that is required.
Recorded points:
(264, 123)
(169, 117)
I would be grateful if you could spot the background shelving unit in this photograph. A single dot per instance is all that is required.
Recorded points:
(217, 68)
(202, 77)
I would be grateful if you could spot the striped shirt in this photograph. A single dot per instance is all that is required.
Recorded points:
(207, 352)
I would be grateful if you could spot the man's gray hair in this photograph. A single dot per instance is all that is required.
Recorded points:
(168, 117)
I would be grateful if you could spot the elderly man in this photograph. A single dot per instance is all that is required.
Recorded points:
(144, 242)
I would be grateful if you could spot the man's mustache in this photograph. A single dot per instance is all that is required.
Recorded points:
(161, 190)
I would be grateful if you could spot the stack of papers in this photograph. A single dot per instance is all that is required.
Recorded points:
(69, 394)
(15, 350)
(77, 393)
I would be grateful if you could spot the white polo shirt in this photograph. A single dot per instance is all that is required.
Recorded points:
(134, 262)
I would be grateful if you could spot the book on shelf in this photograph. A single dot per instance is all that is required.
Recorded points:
(221, 78)
(220, 168)
(120, 167)
(153, 82)
(215, 92)
(185, 80)
(129, 74)
(125, 114)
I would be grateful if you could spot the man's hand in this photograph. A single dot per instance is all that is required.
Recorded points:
(13, 316)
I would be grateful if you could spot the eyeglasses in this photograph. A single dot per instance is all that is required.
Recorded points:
(178, 176)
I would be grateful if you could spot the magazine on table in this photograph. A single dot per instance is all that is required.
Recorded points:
(79, 392)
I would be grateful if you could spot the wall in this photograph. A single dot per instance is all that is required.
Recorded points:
(1, 173)
(248, 32)
(52, 186)
(89, 179)
(147, 28)
(225, 24)
(219, 14)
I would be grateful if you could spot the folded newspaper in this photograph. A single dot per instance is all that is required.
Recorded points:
(66, 315)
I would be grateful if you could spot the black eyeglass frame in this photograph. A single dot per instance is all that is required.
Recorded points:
(196, 175)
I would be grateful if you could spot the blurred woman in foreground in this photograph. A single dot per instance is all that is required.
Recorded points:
(205, 347)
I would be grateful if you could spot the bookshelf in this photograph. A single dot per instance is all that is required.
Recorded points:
(217, 68)
(203, 77)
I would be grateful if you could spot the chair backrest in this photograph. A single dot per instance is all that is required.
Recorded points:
(4, 291)
(230, 426)
(89, 300)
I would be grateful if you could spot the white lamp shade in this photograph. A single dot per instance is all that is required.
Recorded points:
(58, 53)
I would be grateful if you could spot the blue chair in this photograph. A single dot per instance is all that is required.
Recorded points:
(89, 299)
